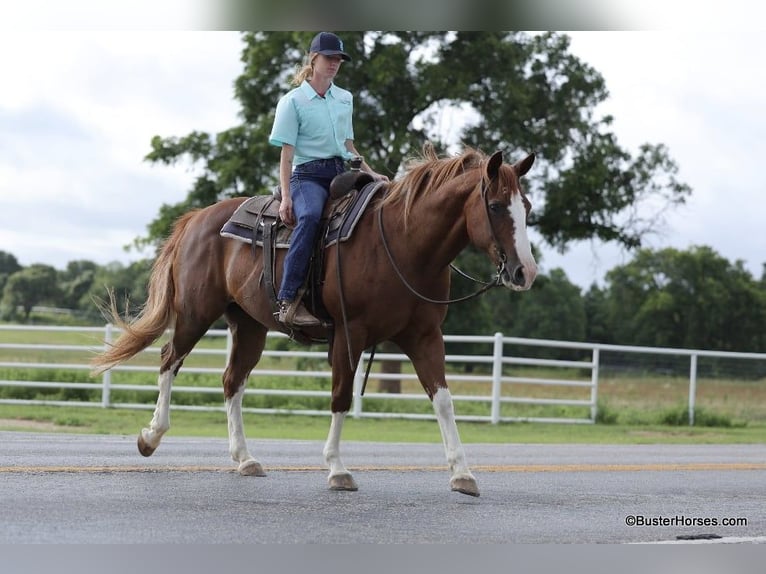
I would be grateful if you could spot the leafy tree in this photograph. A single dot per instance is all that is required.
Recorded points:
(692, 299)
(553, 309)
(525, 93)
(29, 287)
(128, 283)
(8, 266)
(597, 328)
(75, 281)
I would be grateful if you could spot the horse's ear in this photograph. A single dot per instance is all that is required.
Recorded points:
(494, 163)
(523, 166)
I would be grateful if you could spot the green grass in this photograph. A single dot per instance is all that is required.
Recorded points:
(633, 407)
(213, 424)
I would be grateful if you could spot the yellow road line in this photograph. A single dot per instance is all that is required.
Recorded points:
(657, 467)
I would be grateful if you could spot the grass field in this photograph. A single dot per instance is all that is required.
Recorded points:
(213, 424)
(633, 406)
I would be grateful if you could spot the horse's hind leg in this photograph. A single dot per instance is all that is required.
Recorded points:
(248, 341)
(185, 336)
(149, 438)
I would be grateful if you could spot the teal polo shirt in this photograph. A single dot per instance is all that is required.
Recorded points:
(317, 127)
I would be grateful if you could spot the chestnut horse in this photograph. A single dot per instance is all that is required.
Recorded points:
(394, 285)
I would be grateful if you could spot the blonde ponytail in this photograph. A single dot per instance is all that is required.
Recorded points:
(306, 71)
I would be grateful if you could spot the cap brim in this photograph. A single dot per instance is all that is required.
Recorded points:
(343, 55)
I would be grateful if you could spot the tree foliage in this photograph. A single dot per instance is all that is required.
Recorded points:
(31, 286)
(516, 92)
(8, 266)
(689, 299)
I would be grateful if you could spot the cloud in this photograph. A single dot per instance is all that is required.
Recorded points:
(701, 95)
(77, 113)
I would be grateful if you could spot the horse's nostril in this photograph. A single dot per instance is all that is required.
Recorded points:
(518, 275)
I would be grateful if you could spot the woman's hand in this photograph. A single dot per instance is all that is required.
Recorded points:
(286, 211)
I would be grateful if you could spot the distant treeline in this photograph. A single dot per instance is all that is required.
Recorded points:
(668, 298)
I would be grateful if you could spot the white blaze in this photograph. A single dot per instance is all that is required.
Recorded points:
(520, 239)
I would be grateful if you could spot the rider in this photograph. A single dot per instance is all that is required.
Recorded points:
(313, 125)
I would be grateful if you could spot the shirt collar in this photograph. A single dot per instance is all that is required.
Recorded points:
(311, 93)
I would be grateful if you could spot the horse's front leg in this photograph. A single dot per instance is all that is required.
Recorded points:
(339, 478)
(343, 369)
(427, 356)
(461, 478)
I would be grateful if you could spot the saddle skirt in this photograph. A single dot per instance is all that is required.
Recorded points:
(341, 216)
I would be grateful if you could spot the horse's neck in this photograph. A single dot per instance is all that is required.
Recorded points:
(436, 230)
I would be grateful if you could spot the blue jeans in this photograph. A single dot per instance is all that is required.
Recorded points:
(309, 189)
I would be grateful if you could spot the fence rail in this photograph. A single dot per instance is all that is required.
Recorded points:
(491, 377)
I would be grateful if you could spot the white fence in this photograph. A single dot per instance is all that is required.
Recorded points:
(490, 377)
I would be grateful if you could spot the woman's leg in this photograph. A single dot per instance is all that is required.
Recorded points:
(308, 198)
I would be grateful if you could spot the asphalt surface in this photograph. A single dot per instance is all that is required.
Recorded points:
(98, 489)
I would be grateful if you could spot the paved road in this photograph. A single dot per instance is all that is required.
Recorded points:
(98, 489)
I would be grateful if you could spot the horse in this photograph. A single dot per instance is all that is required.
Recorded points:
(394, 286)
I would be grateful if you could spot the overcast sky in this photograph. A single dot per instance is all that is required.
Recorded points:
(78, 111)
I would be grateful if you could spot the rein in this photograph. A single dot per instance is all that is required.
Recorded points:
(486, 286)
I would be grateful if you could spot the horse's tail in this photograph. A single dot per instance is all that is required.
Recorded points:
(157, 314)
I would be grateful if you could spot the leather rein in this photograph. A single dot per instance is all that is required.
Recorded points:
(501, 267)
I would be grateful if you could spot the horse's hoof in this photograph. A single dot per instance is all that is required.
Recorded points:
(251, 468)
(465, 485)
(342, 482)
(144, 448)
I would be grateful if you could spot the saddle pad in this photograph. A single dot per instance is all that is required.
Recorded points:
(246, 223)
(247, 220)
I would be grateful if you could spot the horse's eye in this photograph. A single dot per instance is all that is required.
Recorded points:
(497, 208)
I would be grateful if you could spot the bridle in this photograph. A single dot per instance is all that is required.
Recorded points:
(501, 255)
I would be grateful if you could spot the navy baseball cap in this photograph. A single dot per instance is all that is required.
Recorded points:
(328, 44)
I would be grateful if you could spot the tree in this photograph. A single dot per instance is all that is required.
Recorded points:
(29, 287)
(553, 310)
(8, 266)
(596, 316)
(525, 93)
(128, 284)
(75, 281)
(690, 299)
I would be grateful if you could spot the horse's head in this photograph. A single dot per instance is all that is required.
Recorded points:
(497, 221)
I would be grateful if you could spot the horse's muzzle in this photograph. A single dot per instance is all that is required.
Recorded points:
(518, 279)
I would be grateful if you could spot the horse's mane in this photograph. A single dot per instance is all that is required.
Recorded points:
(429, 172)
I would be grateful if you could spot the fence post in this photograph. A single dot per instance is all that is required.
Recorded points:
(594, 384)
(229, 344)
(497, 377)
(356, 405)
(106, 379)
(692, 387)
